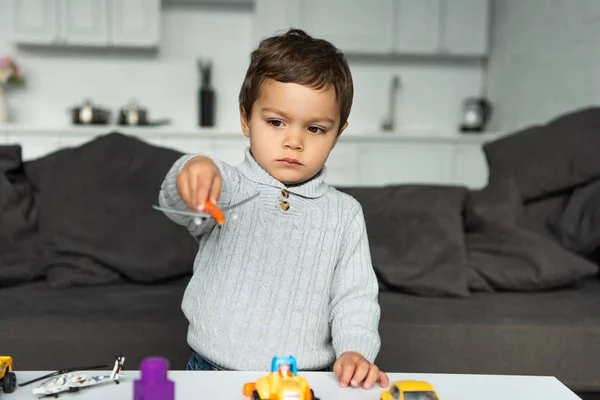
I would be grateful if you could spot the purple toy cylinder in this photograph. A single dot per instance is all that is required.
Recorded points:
(154, 383)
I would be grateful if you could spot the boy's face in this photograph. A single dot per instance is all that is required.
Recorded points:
(292, 129)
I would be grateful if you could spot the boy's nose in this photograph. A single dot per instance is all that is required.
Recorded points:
(293, 141)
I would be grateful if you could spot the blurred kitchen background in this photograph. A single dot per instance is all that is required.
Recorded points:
(434, 79)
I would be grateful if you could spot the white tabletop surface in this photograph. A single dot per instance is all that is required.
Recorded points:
(228, 385)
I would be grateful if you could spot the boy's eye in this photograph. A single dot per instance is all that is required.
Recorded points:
(275, 123)
(316, 129)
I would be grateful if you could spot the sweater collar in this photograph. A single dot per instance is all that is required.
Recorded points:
(313, 188)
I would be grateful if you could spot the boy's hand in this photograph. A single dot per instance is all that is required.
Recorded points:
(352, 368)
(198, 181)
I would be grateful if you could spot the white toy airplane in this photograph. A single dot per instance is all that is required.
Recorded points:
(212, 211)
(72, 382)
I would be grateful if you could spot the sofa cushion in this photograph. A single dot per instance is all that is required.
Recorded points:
(96, 220)
(416, 237)
(508, 257)
(504, 255)
(578, 228)
(547, 159)
(19, 256)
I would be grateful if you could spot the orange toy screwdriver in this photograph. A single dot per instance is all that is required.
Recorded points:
(214, 211)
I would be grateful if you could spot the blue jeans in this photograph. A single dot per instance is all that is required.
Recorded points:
(199, 363)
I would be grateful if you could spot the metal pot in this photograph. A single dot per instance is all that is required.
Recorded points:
(133, 114)
(89, 114)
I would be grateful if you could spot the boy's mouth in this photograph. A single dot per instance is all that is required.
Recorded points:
(289, 161)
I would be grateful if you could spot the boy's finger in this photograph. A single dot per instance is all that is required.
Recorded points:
(337, 369)
(384, 380)
(183, 187)
(361, 371)
(202, 191)
(347, 373)
(372, 377)
(215, 189)
(190, 192)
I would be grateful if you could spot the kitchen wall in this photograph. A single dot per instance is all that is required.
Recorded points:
(544, 60)
(166, 80)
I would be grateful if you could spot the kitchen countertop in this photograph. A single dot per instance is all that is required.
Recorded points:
(168, 131)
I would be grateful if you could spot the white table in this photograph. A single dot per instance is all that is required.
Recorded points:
(228, 386)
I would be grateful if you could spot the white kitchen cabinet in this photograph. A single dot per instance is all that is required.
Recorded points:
(417, 25)
(78, 138)
(84, 22)
(95, 23)
(413, 27)
(33, 145)
(201, 145)
(241, 3)
(471, 166)
(60, 22)
(465, 27)
(34, 21)
(154, 140)
(274, 16)
(342, 164)
(73, 140)
(398, 162)
(230, 149)
(355, 161)
(443, 27)
(135, 23)
(364, 27)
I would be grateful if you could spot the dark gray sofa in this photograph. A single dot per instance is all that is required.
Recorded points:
(555, 333)
(501, 281)
(547, 333)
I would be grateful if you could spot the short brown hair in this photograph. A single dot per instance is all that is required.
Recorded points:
(296, 57)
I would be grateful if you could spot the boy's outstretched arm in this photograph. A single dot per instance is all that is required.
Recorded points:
(192, 179)
(355, 310)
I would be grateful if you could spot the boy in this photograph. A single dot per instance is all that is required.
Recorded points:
(292, 274)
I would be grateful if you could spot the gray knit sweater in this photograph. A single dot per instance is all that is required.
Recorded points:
(290, 275)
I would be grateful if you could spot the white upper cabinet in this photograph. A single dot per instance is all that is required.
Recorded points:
(465, 27)
(353, 26)
(135, 23)
(416, 27)
(34, 21)
(85, 22)
(363, 27)
(451, 27)
(274, 16)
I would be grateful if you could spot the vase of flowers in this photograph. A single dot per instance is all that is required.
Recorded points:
(10, 75)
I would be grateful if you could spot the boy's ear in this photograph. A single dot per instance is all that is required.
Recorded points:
(339, 134)
(244, 122)
(342, 129)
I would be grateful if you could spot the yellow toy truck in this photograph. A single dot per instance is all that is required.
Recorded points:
(410, 390)
(8, 379)
(282, 383)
